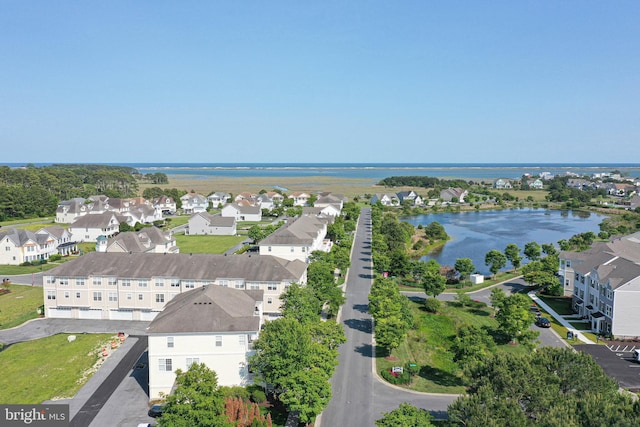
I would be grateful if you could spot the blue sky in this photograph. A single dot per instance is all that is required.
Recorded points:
(329, 81)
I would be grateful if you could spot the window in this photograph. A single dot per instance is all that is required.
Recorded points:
(51, 294)
(269, 300)
(192, 360)
(272, 287)
(66, 294)
(77, 294)
(165, 365)
(97, 296)
(242, 339)
(609, 294)
(218, 340)
(143, 283)
(125, 282)
(64, 281)
(97, 281)
(608, 310)
(113, 296)
(170, 342)
(175, 283)
(304, 249)
(568, 263)
(129, 296)
(140, 297)
(159, 283)
(80, 281)
(159, 297)
(189, 284)
(224, 283)
(7, 248)
(269, 249)
(112, 281)
(292, 249)
(239, 285)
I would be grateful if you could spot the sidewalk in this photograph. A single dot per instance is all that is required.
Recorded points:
(559, 318)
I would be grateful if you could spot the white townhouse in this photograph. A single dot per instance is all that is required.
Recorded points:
(69, 210)
(88, 228)
(411, 197)
(147, 240)
(213, 325)
(204, 223)
(136, 286)
(385, 199)
(61, 238)
(502, 183)
(325, 200)
(166, 204)
(327, 211)
(296, 240)
(450, 194)
(218, 198)
(18, 246)
(194, 203)
(241, 212)
(604, 283)
(300, 198)
(144, 214)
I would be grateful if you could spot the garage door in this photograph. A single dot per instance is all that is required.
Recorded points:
(121, 315)
(60, 313)
(89, 313)
(148, 315)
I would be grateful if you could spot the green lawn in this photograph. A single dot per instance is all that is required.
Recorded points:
(428, 343)
(206, 244)
(561, 305)
(20, 305)
(48, 368)
(40, 222)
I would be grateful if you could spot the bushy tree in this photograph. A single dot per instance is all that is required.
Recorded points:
(405, 415)
(532, 251)
(464, 266)
(434, 283)
(512, 252)
(495, 260)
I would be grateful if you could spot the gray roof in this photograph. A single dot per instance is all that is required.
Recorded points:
(184, 266)
(55, 230)
(94, 220)
(209, 309)
(618, 272)
(302, 231)
(217, 220)
(129, 242)
(20, 236)
(253, 209)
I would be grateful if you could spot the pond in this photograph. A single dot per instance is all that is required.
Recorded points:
(473, 234)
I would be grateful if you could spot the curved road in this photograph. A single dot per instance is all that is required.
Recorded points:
(359, 397)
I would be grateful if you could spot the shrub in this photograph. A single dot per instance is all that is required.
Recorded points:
(258, 396)
(394, 378)
(432, 305)
(55, 257)
(235, 392)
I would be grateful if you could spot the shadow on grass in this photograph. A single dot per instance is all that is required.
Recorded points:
(478, 312)
(440, 377)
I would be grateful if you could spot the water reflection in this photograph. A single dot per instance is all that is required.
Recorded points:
(473, 234)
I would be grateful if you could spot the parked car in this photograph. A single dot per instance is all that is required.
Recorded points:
(543, 322)
(156, 410)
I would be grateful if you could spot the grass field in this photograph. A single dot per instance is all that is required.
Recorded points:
(428, 344)
(20, 305)
(48, 368)
(206, 244)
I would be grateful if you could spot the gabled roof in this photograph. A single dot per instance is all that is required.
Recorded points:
(185, 266)
(216, 220)
(302, 231)
(19, 236)
(95, 220)
(211, 308)
(54, 230)
(247, 210)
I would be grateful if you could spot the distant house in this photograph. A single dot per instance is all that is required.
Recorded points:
(502, 184)
(218, 198)
(296, 240)
(265, 202)
(204, 223)
(144, 214)
(535, 184)
(69, 210)
(245, 195)
(242, 213)
(328, 199)
(194, 203)
(450, 194)
(385, 199)
(300, 198)
(213, 325)
(166, 204)
(147, 240)
(410, 197)
(327, 211)
(87, 228)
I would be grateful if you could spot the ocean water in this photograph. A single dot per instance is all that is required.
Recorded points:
(377, 171)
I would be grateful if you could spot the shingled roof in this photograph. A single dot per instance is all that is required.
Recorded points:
(209, 309)
(184, 266)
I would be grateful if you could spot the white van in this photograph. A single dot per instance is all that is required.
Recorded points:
(636, 355)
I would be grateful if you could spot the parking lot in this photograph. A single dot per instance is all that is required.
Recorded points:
(617, 362)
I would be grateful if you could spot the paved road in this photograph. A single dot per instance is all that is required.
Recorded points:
(359, 397)
(40, 328)
(97, 400)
